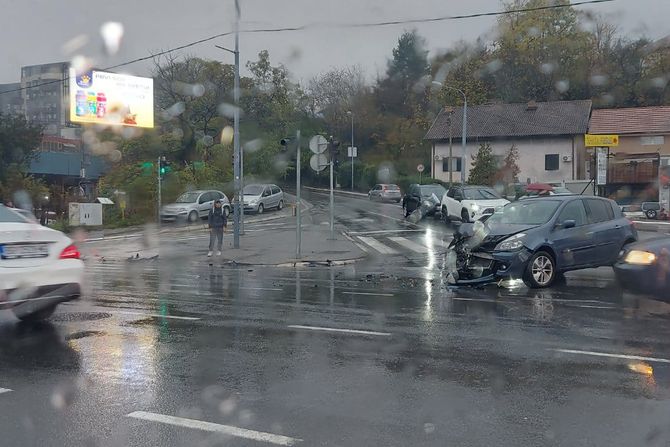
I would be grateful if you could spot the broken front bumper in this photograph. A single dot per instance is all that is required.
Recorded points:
(485, 267)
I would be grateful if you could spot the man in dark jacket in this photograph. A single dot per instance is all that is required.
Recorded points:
(217, 222)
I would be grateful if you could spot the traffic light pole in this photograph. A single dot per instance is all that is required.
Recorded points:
(158, 167)
(332, 196)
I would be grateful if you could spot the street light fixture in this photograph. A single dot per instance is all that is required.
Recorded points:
(465, 127)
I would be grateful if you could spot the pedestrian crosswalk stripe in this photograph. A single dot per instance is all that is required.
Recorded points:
(374, 243)
(409, 244)
(4, 390)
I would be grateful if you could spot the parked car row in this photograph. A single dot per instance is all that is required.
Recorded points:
(193, 206)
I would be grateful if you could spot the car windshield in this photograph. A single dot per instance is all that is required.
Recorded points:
(531, 212)
(561, 190)
(428, 190)
(188, 197)
(253, 190)
(480, 194)
(11, 216)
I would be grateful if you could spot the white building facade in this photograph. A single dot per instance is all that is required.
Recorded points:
(549, 138)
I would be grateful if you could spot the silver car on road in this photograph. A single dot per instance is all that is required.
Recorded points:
(194, 205)
(261, 197)
(385, 193)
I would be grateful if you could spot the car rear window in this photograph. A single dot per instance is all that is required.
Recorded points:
(9, 216)
(599, 210)
(392, 187)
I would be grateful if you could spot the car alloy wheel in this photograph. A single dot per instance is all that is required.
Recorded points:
(445, 215)
(193, 216)
(281, 205)
(261, 208)
(465, 216)
(226, 211)
(651, 214)
(541, 270)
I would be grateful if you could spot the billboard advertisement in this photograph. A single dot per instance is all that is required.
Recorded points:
(98, 97)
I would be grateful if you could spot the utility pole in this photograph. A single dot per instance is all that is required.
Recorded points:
(298, 226)
(451, 155)
(464, 136)
(239, 206)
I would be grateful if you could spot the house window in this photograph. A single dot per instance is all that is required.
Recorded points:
(652, 141)
(455, 164)
(551, 162)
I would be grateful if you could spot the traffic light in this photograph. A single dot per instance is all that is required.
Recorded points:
(163, 167)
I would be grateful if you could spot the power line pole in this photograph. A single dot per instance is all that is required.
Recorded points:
(239, 206)
(298, 227)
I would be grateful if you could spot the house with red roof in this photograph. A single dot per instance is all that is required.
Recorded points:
(643, 146)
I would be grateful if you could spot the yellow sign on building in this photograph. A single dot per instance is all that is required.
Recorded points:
(601, 140)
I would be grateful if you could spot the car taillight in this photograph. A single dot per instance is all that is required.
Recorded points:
(70, 252)
(632, 222)
(386, 188)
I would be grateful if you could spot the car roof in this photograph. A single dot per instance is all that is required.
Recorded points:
(565, 197)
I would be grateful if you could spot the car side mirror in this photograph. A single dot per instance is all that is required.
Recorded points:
(568, 223)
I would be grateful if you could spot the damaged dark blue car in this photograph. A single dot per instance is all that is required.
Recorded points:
(536, 240)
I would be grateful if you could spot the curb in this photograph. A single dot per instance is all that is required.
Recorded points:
(642, 225)
(336, 191)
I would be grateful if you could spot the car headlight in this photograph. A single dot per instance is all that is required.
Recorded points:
(475, 207)
(639, 257)
(512, 243)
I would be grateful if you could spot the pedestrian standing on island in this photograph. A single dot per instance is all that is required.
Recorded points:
(217, 222)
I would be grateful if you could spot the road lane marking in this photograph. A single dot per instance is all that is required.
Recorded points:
(368, 293)
(374, 243)
(343, 331)
(607, 354)
(356, 233)
(409, 244)
(215, 428)
(5, 390)
(484, 300)
(173, 317)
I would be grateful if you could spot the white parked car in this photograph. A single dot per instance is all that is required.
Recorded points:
(39, 267)
(470, 203)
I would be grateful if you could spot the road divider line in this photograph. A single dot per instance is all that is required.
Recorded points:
(5, 390)
(375, 244)
(172, 317)
(614, 356)
(343, 331)
(409, 244)
(367, 293)
(362, 233)
(215, 428)
(484, 300)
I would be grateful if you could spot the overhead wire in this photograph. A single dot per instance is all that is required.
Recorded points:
(335, 25)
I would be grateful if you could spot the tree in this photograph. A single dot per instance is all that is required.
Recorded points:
(542, 55)
(18, 142)
(402, 87)
(484, 166)
(191, 93)
(509, 172)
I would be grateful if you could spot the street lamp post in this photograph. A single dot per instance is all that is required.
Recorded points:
(464, 130)
(352, 149)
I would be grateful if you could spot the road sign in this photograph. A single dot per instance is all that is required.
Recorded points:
(420, 168)
(352, 152)
(318, 144)
(318, 162)
(601, 140)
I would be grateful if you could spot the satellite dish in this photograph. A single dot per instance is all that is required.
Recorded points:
(318, 162)
(318, 144)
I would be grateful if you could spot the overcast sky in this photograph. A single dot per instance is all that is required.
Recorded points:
(34, 31)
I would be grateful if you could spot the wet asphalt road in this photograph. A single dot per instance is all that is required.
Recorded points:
(267, 350)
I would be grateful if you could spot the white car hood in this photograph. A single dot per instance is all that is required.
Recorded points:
(493, 203)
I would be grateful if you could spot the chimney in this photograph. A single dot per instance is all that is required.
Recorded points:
(532, 105)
